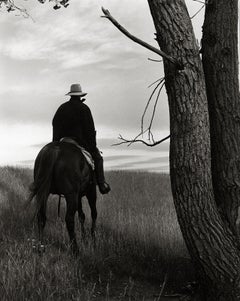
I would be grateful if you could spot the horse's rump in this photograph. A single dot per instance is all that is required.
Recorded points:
(43, 169)
(71, 171)
(60, 168)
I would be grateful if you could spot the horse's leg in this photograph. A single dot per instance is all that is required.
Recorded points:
(71, 200)
(81, 216)
(41, 216)
(92, 199)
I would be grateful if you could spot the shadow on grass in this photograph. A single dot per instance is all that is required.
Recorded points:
(126, 256)
(117, 254)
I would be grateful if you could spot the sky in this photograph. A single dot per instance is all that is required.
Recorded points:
(41, 56)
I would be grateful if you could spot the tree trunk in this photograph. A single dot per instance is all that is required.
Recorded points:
(209, 241)
(220, 62)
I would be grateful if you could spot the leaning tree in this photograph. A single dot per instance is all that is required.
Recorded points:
(203, 95)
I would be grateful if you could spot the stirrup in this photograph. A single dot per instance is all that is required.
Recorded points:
(104, 188)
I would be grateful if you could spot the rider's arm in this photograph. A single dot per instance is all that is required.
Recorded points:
(56, 126)
(89, 129)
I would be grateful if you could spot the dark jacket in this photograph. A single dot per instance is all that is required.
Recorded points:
(74, 119)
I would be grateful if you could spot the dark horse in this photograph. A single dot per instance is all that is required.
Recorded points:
(61, 168)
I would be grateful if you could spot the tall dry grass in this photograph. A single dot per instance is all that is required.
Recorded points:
(138, 240)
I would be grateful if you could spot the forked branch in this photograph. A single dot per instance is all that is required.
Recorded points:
(160, 83)
(129, 142)
(139, 41)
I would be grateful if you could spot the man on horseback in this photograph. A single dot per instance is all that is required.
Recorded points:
(74, 119)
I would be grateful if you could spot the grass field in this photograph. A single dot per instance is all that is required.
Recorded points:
(138, 242)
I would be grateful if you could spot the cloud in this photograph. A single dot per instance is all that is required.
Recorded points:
(70, 38)
(78, 28)
(157, 164)
(39, 60)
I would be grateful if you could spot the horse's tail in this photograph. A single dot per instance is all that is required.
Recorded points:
(43, 173)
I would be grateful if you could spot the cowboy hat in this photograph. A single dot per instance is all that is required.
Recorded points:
(76, 89)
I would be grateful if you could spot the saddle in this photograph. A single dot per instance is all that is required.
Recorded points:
(85, 153)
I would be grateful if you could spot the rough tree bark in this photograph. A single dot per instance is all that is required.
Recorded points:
(220, 62)
(210, 242)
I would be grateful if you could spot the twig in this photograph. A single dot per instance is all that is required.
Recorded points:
(139, 41)
(149, 128)
(197, 12)
(124, 141)
(155, 106)
(153, 60)
(199, 1)
(134, 139)
(160, 79)
(160, 84)
(147, 105)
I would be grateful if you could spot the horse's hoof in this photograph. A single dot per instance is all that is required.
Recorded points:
(41, 249)
(34, 248)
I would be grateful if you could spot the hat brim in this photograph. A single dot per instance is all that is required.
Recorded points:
(76, 94)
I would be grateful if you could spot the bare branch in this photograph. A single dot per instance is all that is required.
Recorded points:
(129, 142)
(151, 139)
(140, 134)
(150, 135)
(149, 129)
(160, 79)
(155, 106)
(147, 105)
(160, 83)
(139, 41)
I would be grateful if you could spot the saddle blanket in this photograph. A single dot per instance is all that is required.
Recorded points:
(85, 153)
